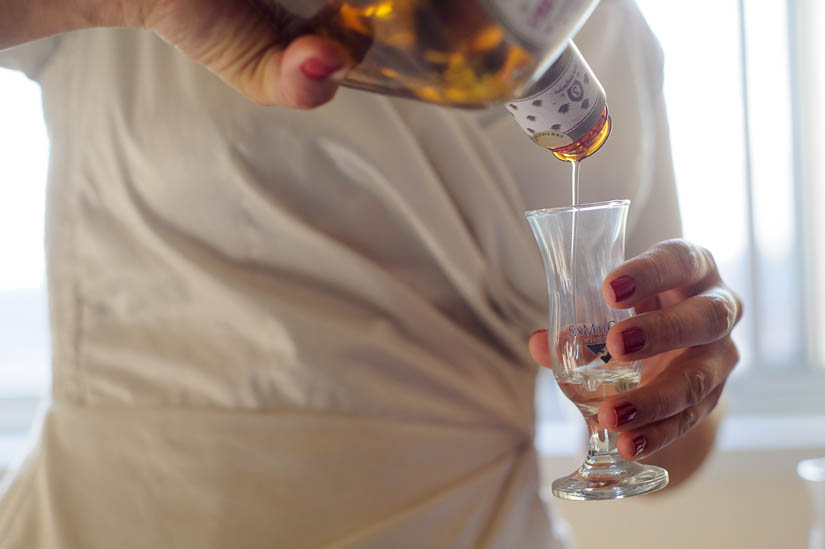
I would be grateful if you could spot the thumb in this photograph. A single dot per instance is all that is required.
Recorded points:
(310, 70)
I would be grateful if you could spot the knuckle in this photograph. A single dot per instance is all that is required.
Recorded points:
(689, 259)
(708, 262)
(719, 314)
(672, 329)
(688, 421)
(653, 268)
(697, 384)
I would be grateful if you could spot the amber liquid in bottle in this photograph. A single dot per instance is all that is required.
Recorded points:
(591, 142)
(444, 52)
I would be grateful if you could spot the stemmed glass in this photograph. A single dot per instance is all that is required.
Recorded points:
(580, 245)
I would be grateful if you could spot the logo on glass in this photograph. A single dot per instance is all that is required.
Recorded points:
(593, 337)
(591, 330)
(600, 350)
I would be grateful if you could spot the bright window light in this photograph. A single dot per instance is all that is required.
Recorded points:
(24, 154)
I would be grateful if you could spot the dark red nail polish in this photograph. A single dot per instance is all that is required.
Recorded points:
(639, 444)
(316, 69)
(623, 287)
(634, 340)
(625, 413)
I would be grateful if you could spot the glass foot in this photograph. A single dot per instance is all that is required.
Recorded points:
(616, 481)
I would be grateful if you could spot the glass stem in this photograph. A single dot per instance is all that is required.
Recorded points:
(601, 446)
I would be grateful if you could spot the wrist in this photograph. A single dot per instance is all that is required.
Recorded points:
(22, 21)
(107, 13)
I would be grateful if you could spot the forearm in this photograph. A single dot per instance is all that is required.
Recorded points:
(22, 21)
(685, 456)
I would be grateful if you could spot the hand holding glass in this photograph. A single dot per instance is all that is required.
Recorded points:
(580, 245)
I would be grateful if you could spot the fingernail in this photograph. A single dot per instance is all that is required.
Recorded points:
(624, 413)
(639, 444)
(634, 339)
(623, 287)
(317, 70)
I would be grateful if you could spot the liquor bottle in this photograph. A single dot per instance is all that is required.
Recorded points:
(566, 110)
(470, 54)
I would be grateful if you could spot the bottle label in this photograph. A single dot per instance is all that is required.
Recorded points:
(568, 103)
(542, 24)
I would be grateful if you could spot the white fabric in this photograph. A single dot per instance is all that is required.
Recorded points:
(301, 329)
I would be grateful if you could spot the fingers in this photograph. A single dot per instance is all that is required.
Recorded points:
(643, 442)
(666, 266)
(698, 320)
(677, 397)
(244, 48)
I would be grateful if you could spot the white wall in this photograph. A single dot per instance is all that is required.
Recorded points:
(739, 500)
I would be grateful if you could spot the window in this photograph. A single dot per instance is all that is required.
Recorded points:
(746, 176)
(743, 84)
(24, 336)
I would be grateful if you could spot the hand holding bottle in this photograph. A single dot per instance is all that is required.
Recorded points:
(468, 53)
(235, 41)
(229, 37)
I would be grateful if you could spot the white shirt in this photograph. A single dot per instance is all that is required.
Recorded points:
(275, 328)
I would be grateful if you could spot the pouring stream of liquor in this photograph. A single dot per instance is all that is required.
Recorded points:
(575, 203)
(575, 186)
